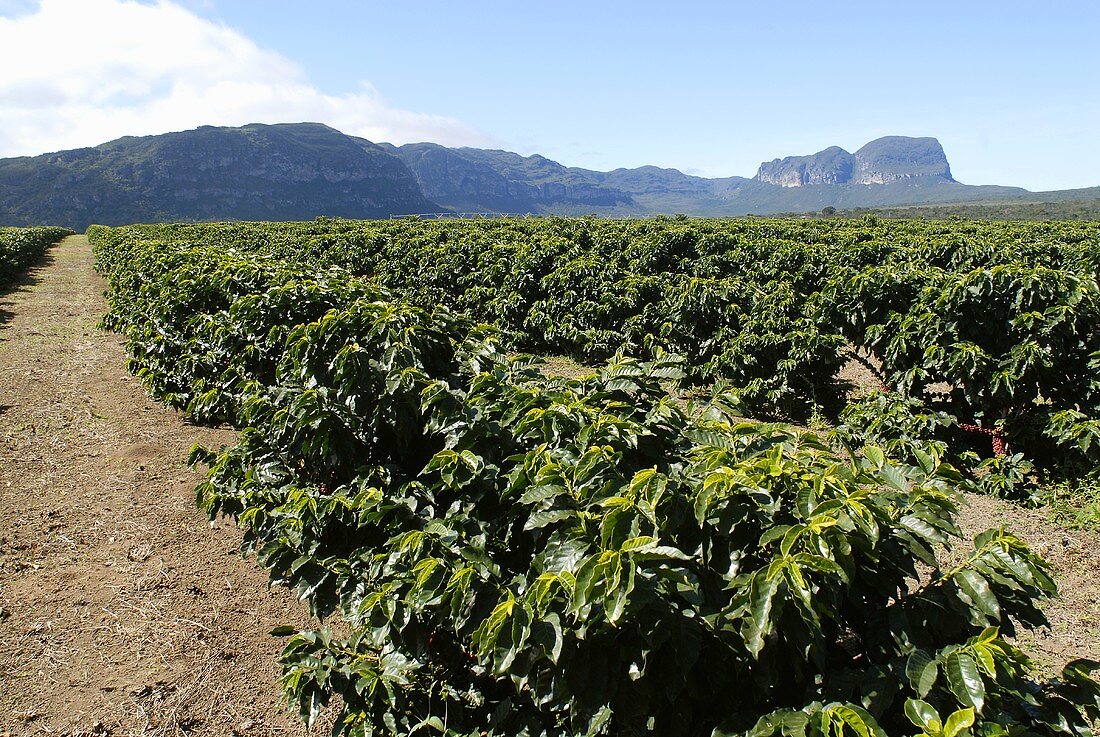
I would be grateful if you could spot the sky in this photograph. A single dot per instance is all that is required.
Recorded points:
(1011, 89)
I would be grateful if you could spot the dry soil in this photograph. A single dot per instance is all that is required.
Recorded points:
(122, 611)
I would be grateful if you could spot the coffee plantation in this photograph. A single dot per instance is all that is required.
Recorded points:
(520, 554)
(21, 247)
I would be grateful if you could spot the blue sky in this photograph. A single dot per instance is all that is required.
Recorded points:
(1012, 90)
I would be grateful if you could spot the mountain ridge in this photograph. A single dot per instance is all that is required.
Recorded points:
(295, 171)
(253, 172)
(881, 161)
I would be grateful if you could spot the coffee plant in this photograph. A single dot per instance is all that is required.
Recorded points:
(21, 247)
(521, 555)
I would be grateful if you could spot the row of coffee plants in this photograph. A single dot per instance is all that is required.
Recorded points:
(992, 325)
(21, 247)
(523, 555)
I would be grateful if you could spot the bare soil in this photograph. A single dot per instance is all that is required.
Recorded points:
(1074, 616)
(123, 612)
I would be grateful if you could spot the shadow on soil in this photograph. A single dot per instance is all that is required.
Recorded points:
(24, 281)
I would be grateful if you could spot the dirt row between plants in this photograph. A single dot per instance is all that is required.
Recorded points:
(122, 612)
(1074, 616)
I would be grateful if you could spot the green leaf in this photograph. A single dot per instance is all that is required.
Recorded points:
(922, 670)
(784, 721)
(927, 463)
(549, 517)
(957, 722)
(548, 633)
(921, 714)
(617, 596)
(762, 590)
(978, 591)
(858, 719)
(773, 533)
(895, 478)
(965, 680)
(599, 722)
(642, 542)
(875, 455)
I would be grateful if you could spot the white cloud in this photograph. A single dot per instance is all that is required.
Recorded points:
(81, 72)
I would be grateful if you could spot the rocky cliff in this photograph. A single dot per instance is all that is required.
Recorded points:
(896, 158)
(882, 161)
(834, 165)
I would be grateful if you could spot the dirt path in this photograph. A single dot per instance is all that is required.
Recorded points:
(121, 611)
(1075, 555)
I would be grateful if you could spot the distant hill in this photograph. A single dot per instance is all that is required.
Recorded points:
(305, 170)
(258, 172)
(889, 171)
(471, 179)
(1077, 205)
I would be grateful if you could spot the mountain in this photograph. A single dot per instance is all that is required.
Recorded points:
(471, 179)
(304, 170)
(257, 172)
(885, 172)
(896, 158)
(882, 161)
(834, 165)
